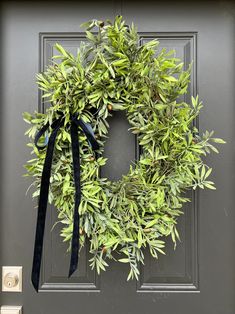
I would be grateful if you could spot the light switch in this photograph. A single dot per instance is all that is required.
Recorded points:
(5, 309)
(12, 278)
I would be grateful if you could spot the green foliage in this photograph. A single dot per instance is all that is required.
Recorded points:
(113, 72)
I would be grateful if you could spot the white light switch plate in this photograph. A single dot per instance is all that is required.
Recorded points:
(11, 309)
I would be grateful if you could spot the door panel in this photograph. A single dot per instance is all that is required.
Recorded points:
(196, 278)
(176, 271)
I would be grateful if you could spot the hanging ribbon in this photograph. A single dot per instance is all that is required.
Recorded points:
(44, 189)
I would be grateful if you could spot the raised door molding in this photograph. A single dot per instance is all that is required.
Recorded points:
(178, 270)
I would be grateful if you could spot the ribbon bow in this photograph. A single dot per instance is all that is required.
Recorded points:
(44, 189)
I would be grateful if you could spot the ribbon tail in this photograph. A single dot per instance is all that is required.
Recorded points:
(42, 207)
(77, 183)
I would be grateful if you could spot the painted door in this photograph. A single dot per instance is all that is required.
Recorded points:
(199, 276)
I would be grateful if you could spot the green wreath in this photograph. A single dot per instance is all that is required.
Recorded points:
(112, 72)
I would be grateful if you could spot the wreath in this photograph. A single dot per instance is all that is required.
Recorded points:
(113, 72)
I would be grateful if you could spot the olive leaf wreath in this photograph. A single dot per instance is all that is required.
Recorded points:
(112, 72)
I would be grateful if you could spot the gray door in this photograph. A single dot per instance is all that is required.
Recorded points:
(199, 276)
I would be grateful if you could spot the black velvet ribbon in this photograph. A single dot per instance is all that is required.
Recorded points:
(75, 123)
